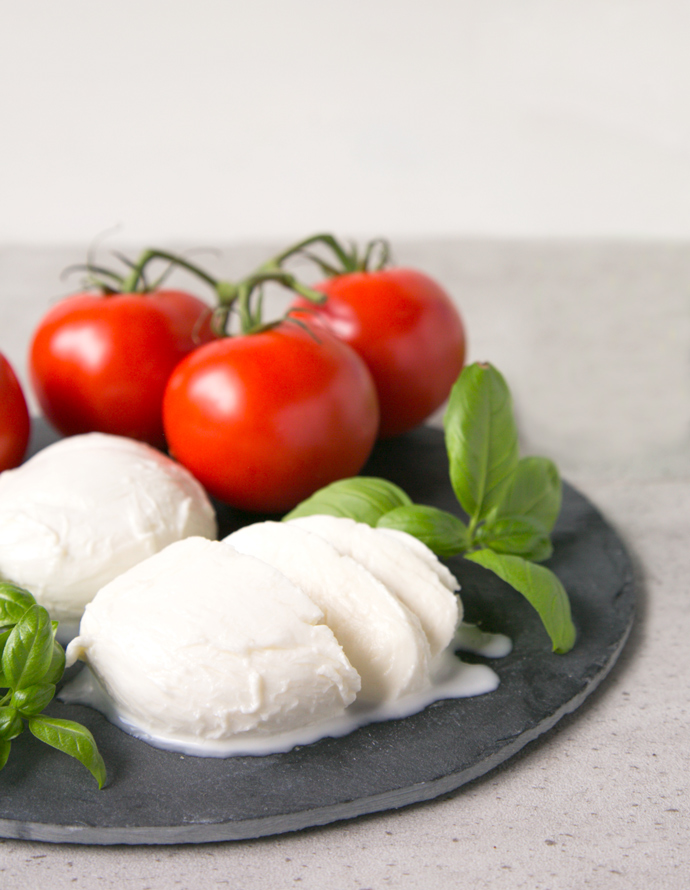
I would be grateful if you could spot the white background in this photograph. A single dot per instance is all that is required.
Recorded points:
(226, 121)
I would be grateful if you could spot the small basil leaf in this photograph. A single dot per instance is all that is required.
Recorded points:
(11, 724)
(363, 498)
(542, 550)
(57, 664)
(442, 532)
(4, 752)
(481, 439)
(14, 601)
(32, 700)
(519, 535)
(29, 649)
(534, 490)
(73, 739)
(540, 587)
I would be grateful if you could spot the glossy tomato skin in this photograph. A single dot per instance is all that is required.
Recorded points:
(264, 420)
(409, 333)
(101, 363)
(15, 425)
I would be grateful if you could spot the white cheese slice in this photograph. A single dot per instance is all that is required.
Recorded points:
(87, 508)
(200, 642)
(391, 559)
(445, 576)
(380, 636)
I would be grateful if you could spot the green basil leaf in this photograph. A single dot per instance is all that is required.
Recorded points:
(540, 552)
(4, 752)
(14, 601)
(11, 724)
(519, 535)
(57, 664)
(4, 636)
(29, 649)
(442, 532)
(540, 587)
(481, 439)
(534, 490)
(32, 700)
(363, 498)
(73, 739)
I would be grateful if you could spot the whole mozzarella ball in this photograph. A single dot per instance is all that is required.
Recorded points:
(201, 643)
(86, 509)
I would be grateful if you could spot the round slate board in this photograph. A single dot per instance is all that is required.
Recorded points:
(158, 797)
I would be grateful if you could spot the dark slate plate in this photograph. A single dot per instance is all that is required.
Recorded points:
(157, 797)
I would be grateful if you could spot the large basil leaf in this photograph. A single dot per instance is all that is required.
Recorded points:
(28, 651)
(540, 587)
(442, 532)
(32, 699)
(73, 739)
(57, 664)
(14, 601)
(481, 439)
(363, 498)
(534, 491)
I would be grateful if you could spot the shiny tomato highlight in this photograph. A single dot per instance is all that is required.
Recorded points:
(407, 330)
(265, 419)
(101, 363)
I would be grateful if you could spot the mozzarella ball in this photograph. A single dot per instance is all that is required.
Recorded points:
(86, 509)
(202, 643)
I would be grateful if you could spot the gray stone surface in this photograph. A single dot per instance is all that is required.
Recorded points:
(594, 341)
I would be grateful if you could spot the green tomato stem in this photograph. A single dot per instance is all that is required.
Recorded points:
(130, 284)
(321, 238)
(347, 260)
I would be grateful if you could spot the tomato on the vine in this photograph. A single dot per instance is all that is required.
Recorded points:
(100, 362)
(15, 425)
(264, 419)
(405, 327)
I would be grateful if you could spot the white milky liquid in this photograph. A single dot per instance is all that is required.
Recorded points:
(452, 678)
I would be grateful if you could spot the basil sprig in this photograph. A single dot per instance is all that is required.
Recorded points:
(512, 503)
(31, 664)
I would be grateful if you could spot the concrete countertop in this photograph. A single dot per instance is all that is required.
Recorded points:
(594, 340)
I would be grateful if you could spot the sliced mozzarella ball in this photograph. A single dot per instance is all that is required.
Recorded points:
(445, 576)
(201, 642)
(87, 508)
(380, 636)
(389, 558)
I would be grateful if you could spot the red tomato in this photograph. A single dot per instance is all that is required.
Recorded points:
(264, 420)
(15, 425)
(408, 332)
(102, 362)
